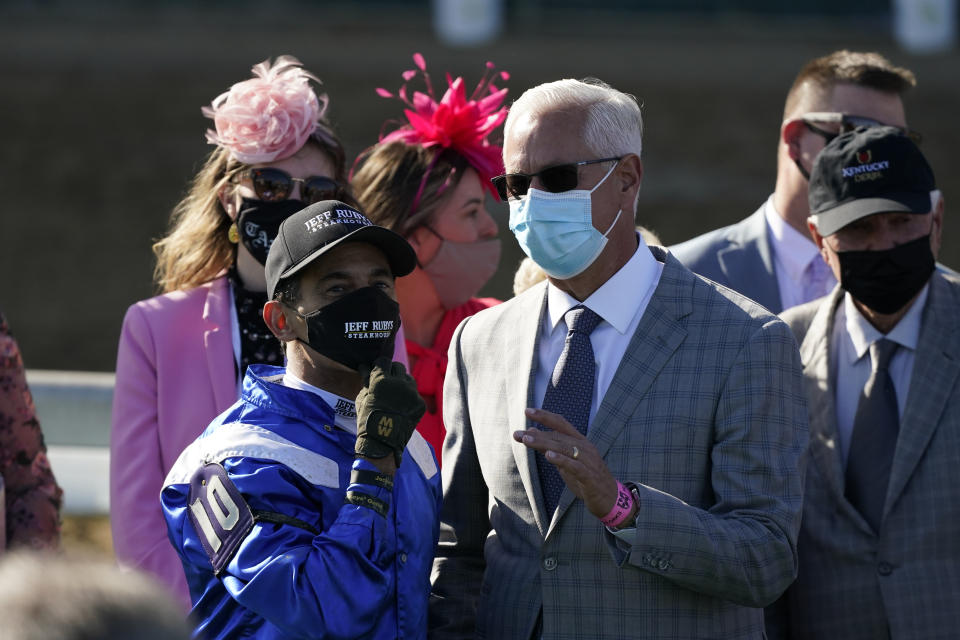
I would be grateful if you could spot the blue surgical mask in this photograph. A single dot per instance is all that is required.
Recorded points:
(556, 229)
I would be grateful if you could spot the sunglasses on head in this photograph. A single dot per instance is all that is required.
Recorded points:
(847, 123)
(274, 185)
(555, 179)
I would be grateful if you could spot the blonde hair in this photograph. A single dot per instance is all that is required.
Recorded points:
(528, 274)
(387, 183)
(196, 250)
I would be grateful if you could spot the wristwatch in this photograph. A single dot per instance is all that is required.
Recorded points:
(628, 533)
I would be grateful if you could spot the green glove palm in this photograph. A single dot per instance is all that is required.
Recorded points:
(388, 410)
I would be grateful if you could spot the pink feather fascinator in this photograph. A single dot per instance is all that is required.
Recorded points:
(455, 121)
(270, 116)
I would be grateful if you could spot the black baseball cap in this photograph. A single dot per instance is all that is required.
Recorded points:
(320, 227)
(866, 171)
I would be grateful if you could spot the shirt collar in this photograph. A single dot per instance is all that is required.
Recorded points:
(793, 249)
(617, 299)
(862, 334)
(345, 411)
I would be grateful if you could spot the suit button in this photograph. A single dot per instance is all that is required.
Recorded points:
(663, 565)
(549, 563)
(403, 558)
(884, 568)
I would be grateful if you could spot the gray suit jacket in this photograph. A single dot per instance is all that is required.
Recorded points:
(740, 257)
(705, 413)
(852, 583)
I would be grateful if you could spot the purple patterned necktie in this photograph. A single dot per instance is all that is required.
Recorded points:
(570, 391)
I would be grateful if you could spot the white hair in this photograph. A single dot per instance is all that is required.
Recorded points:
(614, 126)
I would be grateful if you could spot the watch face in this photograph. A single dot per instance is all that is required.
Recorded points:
(635, 492)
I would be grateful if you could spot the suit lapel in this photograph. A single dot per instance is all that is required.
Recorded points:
(521, 371)
(935, 370)
(218, 343)
(749, 256)
(820, 386)
(657, 336)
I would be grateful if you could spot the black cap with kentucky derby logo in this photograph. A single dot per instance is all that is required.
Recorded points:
(311, 232)
(866, 171)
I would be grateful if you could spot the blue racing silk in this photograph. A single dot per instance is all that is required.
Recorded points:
(307, 564)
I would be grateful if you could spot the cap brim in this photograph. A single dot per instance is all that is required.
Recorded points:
(832, 220)
(400, 254)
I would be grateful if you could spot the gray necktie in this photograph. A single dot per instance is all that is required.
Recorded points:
(874, 438)
(570, 391)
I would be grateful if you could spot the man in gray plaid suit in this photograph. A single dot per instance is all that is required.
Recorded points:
(879, 549)
(662, 498)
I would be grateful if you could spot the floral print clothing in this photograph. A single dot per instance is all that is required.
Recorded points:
(32, 497)
(257, 344)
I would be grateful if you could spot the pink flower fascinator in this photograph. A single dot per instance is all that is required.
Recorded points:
(455, 121)
(268, 117)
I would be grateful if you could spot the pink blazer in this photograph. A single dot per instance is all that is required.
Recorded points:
(175, 374)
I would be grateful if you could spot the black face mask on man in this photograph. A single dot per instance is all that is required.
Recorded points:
(887, 280)
(356, 329)
(259, 221)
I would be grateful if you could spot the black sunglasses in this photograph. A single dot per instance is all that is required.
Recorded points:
(848, 123)
(274, 185)
(555, 179)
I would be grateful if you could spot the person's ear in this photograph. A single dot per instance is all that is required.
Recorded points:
(228, 201)
(790, 133)
(937, 229)
(419, 240)
(817, 238)
(275, 317)
(629, 173)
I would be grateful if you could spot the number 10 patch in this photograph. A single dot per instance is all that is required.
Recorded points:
(219, 514)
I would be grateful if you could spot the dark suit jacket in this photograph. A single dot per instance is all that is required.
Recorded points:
(854, 583)
(705, 413)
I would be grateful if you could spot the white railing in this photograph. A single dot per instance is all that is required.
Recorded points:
(73, 408)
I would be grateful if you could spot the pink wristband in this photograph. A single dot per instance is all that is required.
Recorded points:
(621, 508)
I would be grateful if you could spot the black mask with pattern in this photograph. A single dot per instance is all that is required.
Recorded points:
(259, 222)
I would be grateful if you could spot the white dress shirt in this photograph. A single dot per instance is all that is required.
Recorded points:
(620, 302)
(802, 275)
(850, 359)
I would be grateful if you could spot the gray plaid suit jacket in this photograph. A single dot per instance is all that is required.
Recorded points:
(853, 583)
(705, 412)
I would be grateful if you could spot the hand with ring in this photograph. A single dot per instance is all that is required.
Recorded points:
(577, 460)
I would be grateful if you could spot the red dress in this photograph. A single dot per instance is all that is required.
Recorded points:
(431, 366)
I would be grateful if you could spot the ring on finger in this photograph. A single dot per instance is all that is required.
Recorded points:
(576, 452)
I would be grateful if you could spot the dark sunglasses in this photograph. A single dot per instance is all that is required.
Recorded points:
(847, 123)
(555, 179)
(274, 185)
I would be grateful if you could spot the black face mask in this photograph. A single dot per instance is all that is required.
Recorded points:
(356, 329)
(259, 221)
(887, 280)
